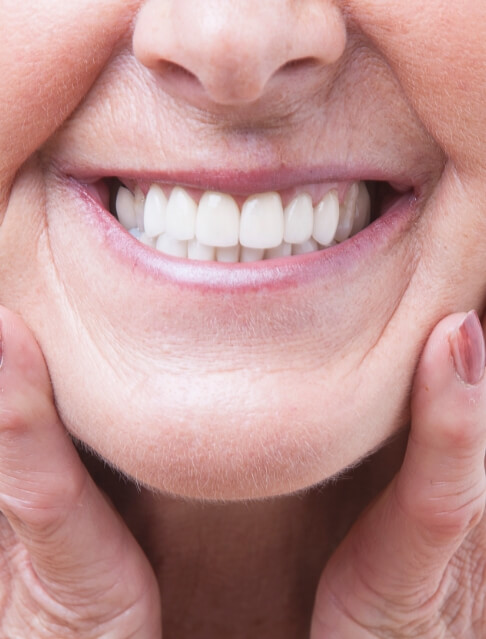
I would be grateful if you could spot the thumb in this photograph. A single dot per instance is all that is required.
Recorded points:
(441, 487)
(392, 562)
(78, 545)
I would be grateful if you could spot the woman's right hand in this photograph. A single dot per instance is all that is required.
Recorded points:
(69, 567)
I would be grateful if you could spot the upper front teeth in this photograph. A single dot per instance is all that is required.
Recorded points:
(181, 215)
(214, 228)
(299, 219)
(155, 211)
(262, 221)
(218, 220)
(326, 218)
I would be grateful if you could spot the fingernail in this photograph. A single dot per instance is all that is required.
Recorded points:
(468, 349)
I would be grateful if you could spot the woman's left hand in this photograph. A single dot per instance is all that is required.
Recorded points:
(414, 564)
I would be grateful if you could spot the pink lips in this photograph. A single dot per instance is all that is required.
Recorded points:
(269, 274)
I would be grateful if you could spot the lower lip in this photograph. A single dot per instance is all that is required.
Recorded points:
(277, 273)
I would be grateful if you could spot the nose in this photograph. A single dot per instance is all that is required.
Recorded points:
(233, 50)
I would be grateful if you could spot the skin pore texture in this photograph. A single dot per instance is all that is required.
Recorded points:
(211, 396)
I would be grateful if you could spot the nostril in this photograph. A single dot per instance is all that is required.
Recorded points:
(174, 73)
(174, 70)
(299, 64)
(177, 79)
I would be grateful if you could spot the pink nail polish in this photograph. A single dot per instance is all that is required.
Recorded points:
(468, 349)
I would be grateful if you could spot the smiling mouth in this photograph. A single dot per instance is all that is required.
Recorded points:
(193, 224)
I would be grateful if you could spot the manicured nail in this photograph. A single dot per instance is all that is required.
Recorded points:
(468, 350)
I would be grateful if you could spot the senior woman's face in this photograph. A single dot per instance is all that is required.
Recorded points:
(238, 379)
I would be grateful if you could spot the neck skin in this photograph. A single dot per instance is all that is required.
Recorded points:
(246, 569)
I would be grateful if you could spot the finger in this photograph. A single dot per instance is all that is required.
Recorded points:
(440, 490)
(77, 543)
(398, 551)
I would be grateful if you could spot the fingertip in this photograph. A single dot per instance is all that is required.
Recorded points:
(21, 360)
(468, 349)
(453, 362)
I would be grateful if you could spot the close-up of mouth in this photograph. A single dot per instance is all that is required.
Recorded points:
(184, 223)
(214, 226)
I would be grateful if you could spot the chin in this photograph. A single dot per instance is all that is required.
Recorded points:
(228, 436)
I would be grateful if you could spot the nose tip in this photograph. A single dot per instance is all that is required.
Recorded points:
(231, 51)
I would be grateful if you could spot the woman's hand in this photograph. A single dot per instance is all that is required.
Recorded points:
(414, 564)
(69, 568)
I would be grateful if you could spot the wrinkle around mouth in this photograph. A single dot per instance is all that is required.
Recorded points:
(414, 262)
(424, 194)
(391, 317)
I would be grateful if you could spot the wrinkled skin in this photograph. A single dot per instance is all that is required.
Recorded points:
(253, 393)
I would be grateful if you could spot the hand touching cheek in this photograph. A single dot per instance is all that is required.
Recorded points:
(68, 565)
(413, 564)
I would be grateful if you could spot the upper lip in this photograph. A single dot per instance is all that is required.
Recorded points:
(249, 182)
(241, 168)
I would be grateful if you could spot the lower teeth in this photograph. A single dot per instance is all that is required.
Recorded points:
(264, 228)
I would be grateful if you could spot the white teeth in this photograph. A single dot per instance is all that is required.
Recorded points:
(284, 250)
(181, 215)
(139, 199)
(228, 253)
(347, 213)
(214, 230)
(170, 246)
(148, 241)
(262, 221)
(326, 218)
(299, 219)
(248, 254)
(305, 247)
(218, 220)
(142, 237)
(198, 251)
(125, 208)
(155, 211)
(363, 209)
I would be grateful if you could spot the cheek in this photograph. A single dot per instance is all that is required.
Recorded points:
(436, 50)
(50, 53)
